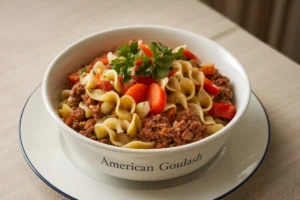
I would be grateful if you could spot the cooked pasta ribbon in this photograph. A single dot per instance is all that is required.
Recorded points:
(60, 105)
(173, 84)
(135, 126)
(211, 129)
(95, 94)
(111, 75)
(65, 94)
(65, 111)
(98, 67)
(177, 98)
(163, 82)
(197, 76)
(107, 107)
(184, 67)
(140, 145)
(187, 87)
(198, 111)
(87, 111)
(110, 57)
(88, 80)
(103, 131)
(124, 124)
(205, 100)
(125, 107)
(168, 106)
(142, 109)
(109, 97)
(219, 121)
(194, 99)
(114, 124)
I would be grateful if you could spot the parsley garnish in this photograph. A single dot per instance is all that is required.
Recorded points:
(126, 61)
(128, 49)
(179, 55)
(83, 70)
(146, 69)
(158, 67)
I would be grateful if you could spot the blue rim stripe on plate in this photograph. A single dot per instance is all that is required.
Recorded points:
(261, 161)
(27, 159)
(70, 197)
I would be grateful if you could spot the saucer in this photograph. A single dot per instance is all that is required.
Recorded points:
(45, 151)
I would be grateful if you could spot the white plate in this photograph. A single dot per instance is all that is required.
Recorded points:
(44, 150)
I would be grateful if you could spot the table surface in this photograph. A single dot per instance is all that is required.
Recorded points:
(34, 32)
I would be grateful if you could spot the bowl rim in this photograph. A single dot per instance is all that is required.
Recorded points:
(89, 141)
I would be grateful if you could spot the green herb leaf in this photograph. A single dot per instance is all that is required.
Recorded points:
(83, 70)
(164, 61)
(158, 67)
(160, 72)
(159, 49)
(123, 50)
(128, 49)
(179, 55)
(126, 61)
(134, 47)
(146, 68)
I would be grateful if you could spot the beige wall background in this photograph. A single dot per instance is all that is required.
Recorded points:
(276, 22)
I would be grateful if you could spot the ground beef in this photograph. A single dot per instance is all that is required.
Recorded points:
(88, 100)
(225, 95)
(75, 96)
(186, 128)
(88, 129)
(73, 120)
(96, 110)
(76, 120)
(223, 82)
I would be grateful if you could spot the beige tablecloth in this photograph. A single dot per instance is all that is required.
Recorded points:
(33, 32)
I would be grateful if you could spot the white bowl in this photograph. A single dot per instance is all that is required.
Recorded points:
(142, 164)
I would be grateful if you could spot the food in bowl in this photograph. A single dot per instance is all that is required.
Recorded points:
(95, 158)
(147, 96)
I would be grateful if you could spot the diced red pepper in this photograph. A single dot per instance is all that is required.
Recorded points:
(171, 114)
(189, 55)
(224, 110)
(97, 78)
(208, 69)
(105, 86)
(133, 72)
(108, 67)
(171, 73)
(73, 79)
(146, 50)
(139, 62)
(209, 87)
(157, 98)
(104, 59)
(126, 86)
(145, 80)
(121, 79)
(138, 92)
